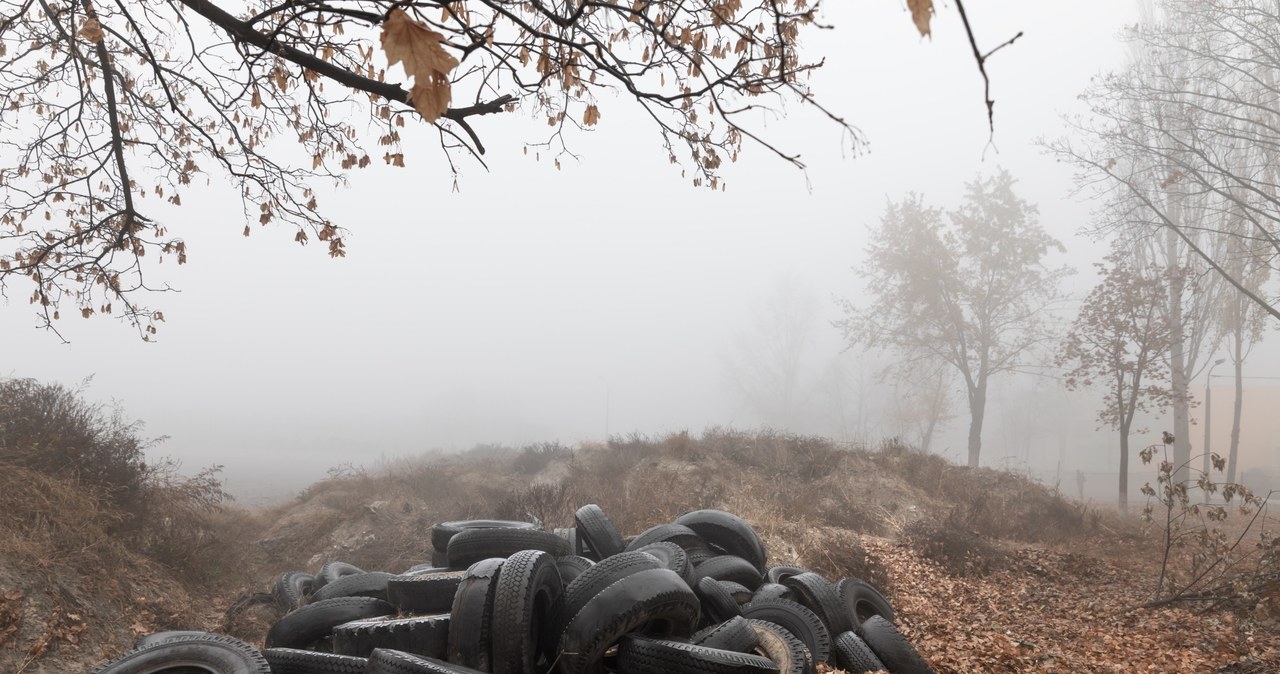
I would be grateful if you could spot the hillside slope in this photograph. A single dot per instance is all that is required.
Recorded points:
(988, 572)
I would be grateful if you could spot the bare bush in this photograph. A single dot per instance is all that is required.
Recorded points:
(549, 504)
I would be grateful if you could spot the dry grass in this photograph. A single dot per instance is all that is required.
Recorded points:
(837, 510)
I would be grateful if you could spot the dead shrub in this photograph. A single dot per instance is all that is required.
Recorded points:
(52, 429)
(954, 543)
(550, 504)
(532, 459)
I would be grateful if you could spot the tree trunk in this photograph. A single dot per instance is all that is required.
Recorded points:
(1235, 414)
(1124, 467)
(1178, 362)
(977, 410)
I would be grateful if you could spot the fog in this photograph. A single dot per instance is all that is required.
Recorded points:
(608, 297)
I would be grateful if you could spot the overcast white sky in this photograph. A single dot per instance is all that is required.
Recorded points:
(510, 310)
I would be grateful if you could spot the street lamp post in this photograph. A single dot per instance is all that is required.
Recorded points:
(1207, 409)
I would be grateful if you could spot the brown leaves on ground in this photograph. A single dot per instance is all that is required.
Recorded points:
(418, 48)
(1061, 612)
(921, 14)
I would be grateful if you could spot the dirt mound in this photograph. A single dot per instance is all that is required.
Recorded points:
(988, 571)
(72, 594)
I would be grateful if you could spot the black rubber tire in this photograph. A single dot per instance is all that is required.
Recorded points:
(426, 592)
(470, 640)
(215, 654)
(331, 572)
(893, 649)
(819, 595)
(294, 661)
(315, 621)
(291, 589)
(777, 572)
(391, 661)
(855, 656)
(440, 558)
(683, 536)
(572, 566)
(149, 639)
(738, 591)
(587, 585)
(796, 619)
(638, 654)
(569, 534)
(734, 634)
(717, 604)
(728, 532)
(784, 648)
(597, 538)
(863, 600)
(424, 568)
(673, 557)
(442, 532)
(773, 591)
(732, 568)
(421, 635)
(527, 592)
(368, 584)
(654, 601)
(473, 545)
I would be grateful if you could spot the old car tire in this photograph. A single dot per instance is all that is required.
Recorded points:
(210, 652)
(893, 649)
(369, 584)
(717, 604)
(292, 588)
(653, 601)
(470, 638)
(442, 532)
(472, 545)
(309, 624)
(863, 600)
(596, 537)
(731, 568)
(734, 634)
(819, 595)
(424, 593)
(728, 532)
(527, 592)
(783, 647)
(421, 635)
(796, 619)
(294, 661)
(638, 654)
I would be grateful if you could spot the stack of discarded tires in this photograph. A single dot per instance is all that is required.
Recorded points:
(691, 597)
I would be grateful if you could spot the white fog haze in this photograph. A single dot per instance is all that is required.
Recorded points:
(609, 297)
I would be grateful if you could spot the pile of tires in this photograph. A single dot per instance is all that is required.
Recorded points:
(695, 596)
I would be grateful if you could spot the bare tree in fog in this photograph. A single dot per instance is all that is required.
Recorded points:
(767, 363)
(1243, 323)
(1188, 135)
(1118, 343)
(922, 401)
(969, 291)
(1195, 112)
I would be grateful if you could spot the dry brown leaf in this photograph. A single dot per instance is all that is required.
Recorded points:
(921, 13)
(418, 48)
(591, 116)
(91, 31)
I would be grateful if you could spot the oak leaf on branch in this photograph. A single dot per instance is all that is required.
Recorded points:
(418, 48)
